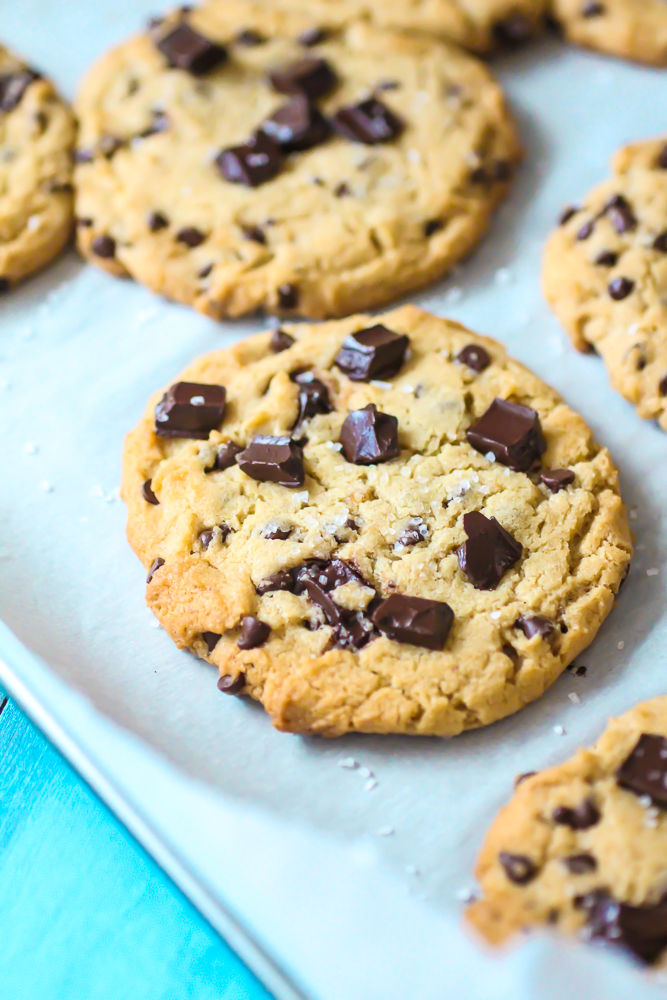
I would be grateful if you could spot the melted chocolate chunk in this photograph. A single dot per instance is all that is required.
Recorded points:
(147, 493)
(475, 357)
(640, 930)
(190, 236)
(280, 341)
(374, 353)
(644, 771)
(252, 164)
(512, 433)
(619, 212)
(206, 537)
(557, 479)
(518, 868)
(190, 410)
(313, 397)
(620, 288)
(288, 296)
(370, 122)
(232, 685)
(297, 125)
(254, 633)
(104, 247)
(317, 579)
(607, 258)
(580, 864)
(282, 580)
(225, 456)
(211, 639)
(368, 436)
(155, 566)
(414, 620)
(415, 531)
(157, 221)
(489, 551)
(580, 817)
(273, 460)
(184, 48)
(532, 625)
(311, 77)
(13, 86)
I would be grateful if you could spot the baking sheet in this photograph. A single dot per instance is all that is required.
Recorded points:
(79, 354)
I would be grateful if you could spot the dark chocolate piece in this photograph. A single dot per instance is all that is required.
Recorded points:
(580, 817)
(13, 86)
(297, 125)
(184, 48)
(370, 122)
(580, 864)
(640, 930)
(147, 493)
(532, 625)
(232, 685)
(518, 868)
(282, 580)
(512, 433)
(226, 456)
(254, 633)
(414, 620)
(313, 397)
(190, 236)
(374, 353)
(415, 531)
(190, 410)
(257, 161)
(644, 771)
(280, 341)
(474, 356)
(155, 566)
(273, 460)
(311, 77)
(104, 247)
(489, 551)
(211, 639)
(557, 479)
(369, 436)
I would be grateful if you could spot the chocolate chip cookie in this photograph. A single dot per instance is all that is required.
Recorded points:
(230, 160)
(376, 524)
(36, 144)
(633, 29)
(605, 275)
(582, 847)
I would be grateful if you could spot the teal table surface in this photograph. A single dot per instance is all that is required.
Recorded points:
(85, 913)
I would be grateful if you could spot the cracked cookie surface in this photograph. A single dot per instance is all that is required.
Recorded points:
(582, 847)
(605, 276)
(37, 141)
(321, 561)
(341, 226)
(632, 29)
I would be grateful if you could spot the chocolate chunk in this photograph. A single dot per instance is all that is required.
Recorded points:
(190, 236)
(592, 9)
(662, 158)
(489, 551)
(311, 36)
(273, 460)
(586, 230)
(5, 285)
(368, 436)
(184, 48)
(282, 580)
(374, 353)
(512, 433)
(280, 341)
(288, 296)
(475, 357)
(274, 533)
(108, 145)
(211, 639)
(433, 226)
(607, 259)
(580, 817)
(620, 288)
(205, 271)
(318, 578)
(532, 625)
(640, 930)
(147, 492)
(13, 86)
(254, 633)
(660, 243)
(567, 214)
(414, 620)
(249, 38)
(104, 246)
(206, 537)
(557, 479)
(190, 410)
(252, 164)
(154, 568)
(159, 123)
(518, 868)
(662, 386)
(225, 456)
(388, 85)
(85, 222)
(232, 685)
(297, 125)
(580, 864)
(83, 156)
(254, 233)
(342, 190)
(415, 531)
(370, 122)
(157, 221)
(311, 77)
(644, 771)
(513, 30)
(313, 397)
(619, 211)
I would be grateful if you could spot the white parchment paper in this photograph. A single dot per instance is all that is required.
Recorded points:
(79, 355)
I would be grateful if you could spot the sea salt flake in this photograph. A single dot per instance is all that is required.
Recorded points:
(559, 730)
(370, 785)
(411, 870)
(490, 457)
(334, 445)
(453, 295)
(621, 645)
(349, 763)
(495, 615)
(466, 894)
(46, 486)
(386, 831)
(30, 448)
(503, 276)
(365, 772)
(574, 698)
(380, 385)
(652, 572)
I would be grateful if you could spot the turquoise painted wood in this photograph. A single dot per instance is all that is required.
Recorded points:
(85, 914)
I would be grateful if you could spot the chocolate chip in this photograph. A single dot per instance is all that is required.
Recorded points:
(159, 123)
(619, 211)
(368, 436)
(567, 214)
(580, 864)
(660, 243)
(252, 164)
(512, 433)
(415, 531)
(312, 77)
(225, 456)
(85, 223)
(475, 357)
(13, 86)
(205, 271)
(513, 30)
(370, 122)
(4, 285)
(662, 158)
(414, 620)
(644, 771)
(518, 868)
(580, 817)
(250, 38)
(433, 226)
(374, 353)
(557, 479)
(342, 190)
(273, 460)
(157, 221)
(288, 296)
(662, 386)
(232, 685)
(108, 145)
(640, 930)
(254, 633)
(280, 341)
(318, 578)
(104, 246)
(211, 639)
(274, 533)
(254, 233)
(532, 625)
(154, 568)
(620, 288)
(297, 125)
(190, 236)
(206, 537)
(489, 551)
(190, 410)
(184, 48)
(282, 580)
(388, 85)
(607, 259)
(83, 156)
(147, 492)
(311, 36)
(313, 397)
(523, 777)
(592, 9)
